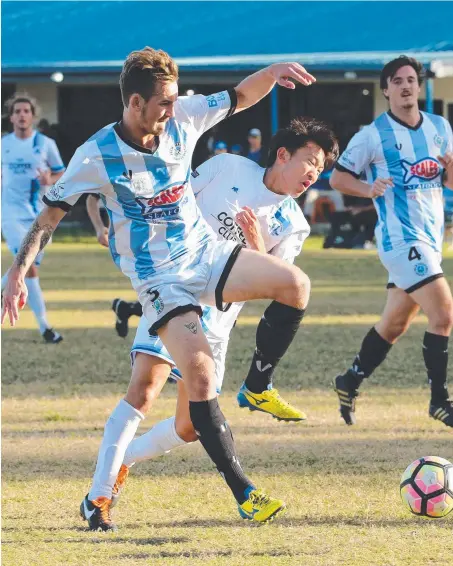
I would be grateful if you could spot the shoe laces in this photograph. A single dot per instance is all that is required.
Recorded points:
(279, 400)
(259, 498)
(103, 504)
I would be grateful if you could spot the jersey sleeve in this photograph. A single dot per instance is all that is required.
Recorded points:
(54, 160)
(357, 155)
(207, 172)
(81, 176)
(207, 111)
(290, 247)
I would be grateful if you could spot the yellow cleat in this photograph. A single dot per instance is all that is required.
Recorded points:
(260, 507)
(269, 401)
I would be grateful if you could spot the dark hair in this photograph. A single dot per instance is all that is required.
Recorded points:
(390, 70)
(143, 69)
(299, 133)
(21, 97)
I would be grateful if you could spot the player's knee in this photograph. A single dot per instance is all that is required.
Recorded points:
(199, 376)
(298, 288)
(443, 320)
(186, 431)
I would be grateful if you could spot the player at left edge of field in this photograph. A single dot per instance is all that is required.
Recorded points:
(30, 163)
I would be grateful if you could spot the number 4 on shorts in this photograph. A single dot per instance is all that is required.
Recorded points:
(413, 254)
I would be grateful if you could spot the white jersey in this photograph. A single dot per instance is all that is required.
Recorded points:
(21, 159)
(225, 184)
(413, 210)
(155, 223)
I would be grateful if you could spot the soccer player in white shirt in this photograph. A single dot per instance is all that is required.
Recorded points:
(158, 238)
(224, 186)
(252, 206)
(407, 156)
(30, 162)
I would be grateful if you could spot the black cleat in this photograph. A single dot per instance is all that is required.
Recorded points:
(97, 513)
(442, 412)
(346, 389)
(123, 313)
(51, 336)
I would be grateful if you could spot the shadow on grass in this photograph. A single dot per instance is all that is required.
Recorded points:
(302, 455)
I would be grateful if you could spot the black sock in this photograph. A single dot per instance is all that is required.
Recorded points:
(435, 353)
(274, 335)
(136, 308)
(372, 353)
(217, 440)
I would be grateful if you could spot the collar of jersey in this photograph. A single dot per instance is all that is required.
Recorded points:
(119, 130)
(393, 117)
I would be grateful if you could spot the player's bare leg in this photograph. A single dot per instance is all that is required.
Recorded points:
(399, 311)
(189, 348)
(149, 375)
(436, 301)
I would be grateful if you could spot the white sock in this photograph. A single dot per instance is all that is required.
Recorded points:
(119, 430)
(36, 302)
(158, 441)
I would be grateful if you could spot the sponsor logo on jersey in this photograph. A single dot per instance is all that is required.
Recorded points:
(228, 228)
(421, 269)
(20, 168)
(164, 205)
(195, 174)
(178, 151)
(425, 169)
(156, 301)
(235, 189)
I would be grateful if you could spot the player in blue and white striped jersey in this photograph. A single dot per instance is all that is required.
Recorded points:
(30, 162)
(408, 157)
(140, 167)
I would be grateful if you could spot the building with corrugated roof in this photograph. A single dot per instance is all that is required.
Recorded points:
(69, 55)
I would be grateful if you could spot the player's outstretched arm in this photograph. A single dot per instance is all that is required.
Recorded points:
(255, 87)
(15, 292)
(349, 185)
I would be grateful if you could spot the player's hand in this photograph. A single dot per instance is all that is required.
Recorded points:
(45, 177)
(14, 297)
(103, 237)
(380, 185)
(250, 226)
(447, 163)
(285, 74)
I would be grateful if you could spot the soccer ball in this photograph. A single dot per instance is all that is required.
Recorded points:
(427, 487)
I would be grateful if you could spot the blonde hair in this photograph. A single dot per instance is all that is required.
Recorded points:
(22, 97)
(143, 69)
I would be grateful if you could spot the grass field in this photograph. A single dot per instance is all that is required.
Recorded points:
(340, 483)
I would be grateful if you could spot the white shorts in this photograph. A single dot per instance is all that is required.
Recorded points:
(412, 267)
(186, 286)
(14, 232)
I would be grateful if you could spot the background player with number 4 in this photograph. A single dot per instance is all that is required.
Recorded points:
(408, 157)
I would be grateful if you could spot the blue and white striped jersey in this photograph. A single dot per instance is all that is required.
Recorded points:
(21, 159)
(154, 220)
(413, 209)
